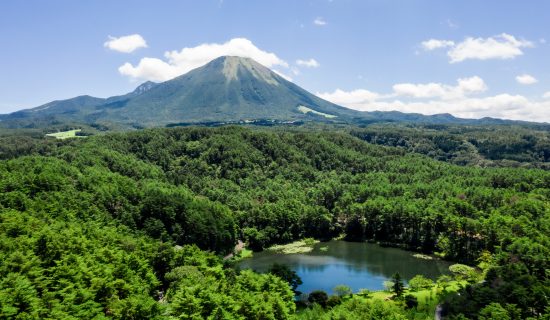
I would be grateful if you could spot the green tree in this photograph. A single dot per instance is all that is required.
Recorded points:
(443, 282)
(411, 301)
(365, 293)
(398, 286)
(319, 297)
(493, 311)
(388, 285)
(419, 282)
(284, 272)
(343, 290)
(463, 272)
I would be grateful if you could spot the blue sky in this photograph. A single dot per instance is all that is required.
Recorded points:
(470, 58)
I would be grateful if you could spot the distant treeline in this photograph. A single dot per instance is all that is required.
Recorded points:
(486, 146)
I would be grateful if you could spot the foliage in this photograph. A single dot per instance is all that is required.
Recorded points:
(493, 311)
(318, 297)
(463, 272)
(479, 145)
(443, 281)
(419, 282)
(365, 293)
(388, 285)
(356, 309)
(509, 285)
(398, 287)
(100, 227)
(333, 301)
(285, 273)
(342, 290)
(411, 301)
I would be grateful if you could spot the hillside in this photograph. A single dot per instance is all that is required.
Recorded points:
(473, 145)
(105, 213)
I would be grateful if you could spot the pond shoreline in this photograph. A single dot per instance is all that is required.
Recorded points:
(323, 265)
(305, 245)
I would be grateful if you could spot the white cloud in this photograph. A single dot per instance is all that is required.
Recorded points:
(126, 44)
(354, 98)
(464, 87)
(504, 106)
(471, 85)
(433, 44)
(503, 46)
(428, 90)
(546, 95)
(180, 62)
(311, 63)
(319, 21)
(439, 98)
(526, 79)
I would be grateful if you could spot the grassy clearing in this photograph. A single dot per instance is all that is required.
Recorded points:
(245, 253)
(427, 299)
(380, 295)
(65, 134)
(240, 254)
(306, 110)
(302, 246)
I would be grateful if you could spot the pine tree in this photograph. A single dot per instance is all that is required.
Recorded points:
(398, 286)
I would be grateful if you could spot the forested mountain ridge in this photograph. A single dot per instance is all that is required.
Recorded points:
(153, 189)
(475, 145)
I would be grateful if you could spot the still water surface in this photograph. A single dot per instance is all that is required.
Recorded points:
(355, 264)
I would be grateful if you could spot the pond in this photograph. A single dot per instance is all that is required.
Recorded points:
(355, 264)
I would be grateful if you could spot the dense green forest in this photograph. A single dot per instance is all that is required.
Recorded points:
(133, 225)
(486, 146)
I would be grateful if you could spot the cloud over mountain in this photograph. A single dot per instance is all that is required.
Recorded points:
(179, 62)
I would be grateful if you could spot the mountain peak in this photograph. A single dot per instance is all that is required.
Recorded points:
(144, 87)
(233, 67)
(235, 59)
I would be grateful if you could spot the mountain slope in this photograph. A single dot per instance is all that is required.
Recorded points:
(227, 89)
(77, 109)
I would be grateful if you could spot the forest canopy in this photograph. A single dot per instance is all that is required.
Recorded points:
(133, 225)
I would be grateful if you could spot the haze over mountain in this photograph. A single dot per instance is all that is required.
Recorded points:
(226, 90)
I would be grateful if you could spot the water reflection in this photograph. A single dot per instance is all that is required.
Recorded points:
(358, 265)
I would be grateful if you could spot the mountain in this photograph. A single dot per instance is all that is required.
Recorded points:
(226, 90)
